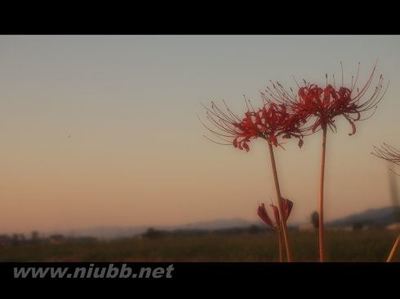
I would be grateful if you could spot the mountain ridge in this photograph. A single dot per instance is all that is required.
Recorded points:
(375, 217)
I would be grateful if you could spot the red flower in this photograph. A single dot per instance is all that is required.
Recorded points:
(287, 206)
(323, 104)
(274, 120)
(229, 127)
(268, 122)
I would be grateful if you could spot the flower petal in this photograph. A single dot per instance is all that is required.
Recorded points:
(262, 213)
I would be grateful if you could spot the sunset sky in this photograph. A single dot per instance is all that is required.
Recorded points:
(103, 130)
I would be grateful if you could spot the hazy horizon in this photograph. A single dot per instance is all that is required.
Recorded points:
(103, 130)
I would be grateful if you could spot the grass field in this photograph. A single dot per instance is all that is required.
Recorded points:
(372, 245)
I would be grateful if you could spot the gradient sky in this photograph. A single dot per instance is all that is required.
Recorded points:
(102, 130)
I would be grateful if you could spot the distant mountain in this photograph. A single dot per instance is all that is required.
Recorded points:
(121, 232)
(375, 217)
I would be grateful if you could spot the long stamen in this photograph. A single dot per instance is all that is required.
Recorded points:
(341, 67)
(388, 153)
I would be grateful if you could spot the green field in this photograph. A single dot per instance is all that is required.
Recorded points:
(371, 245)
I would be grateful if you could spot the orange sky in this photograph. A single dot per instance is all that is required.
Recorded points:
(100, 131)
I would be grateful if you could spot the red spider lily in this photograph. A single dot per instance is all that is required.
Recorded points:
(320, 106)
(324, 104)
(274, 120)
(268, 122)
(263, 214)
